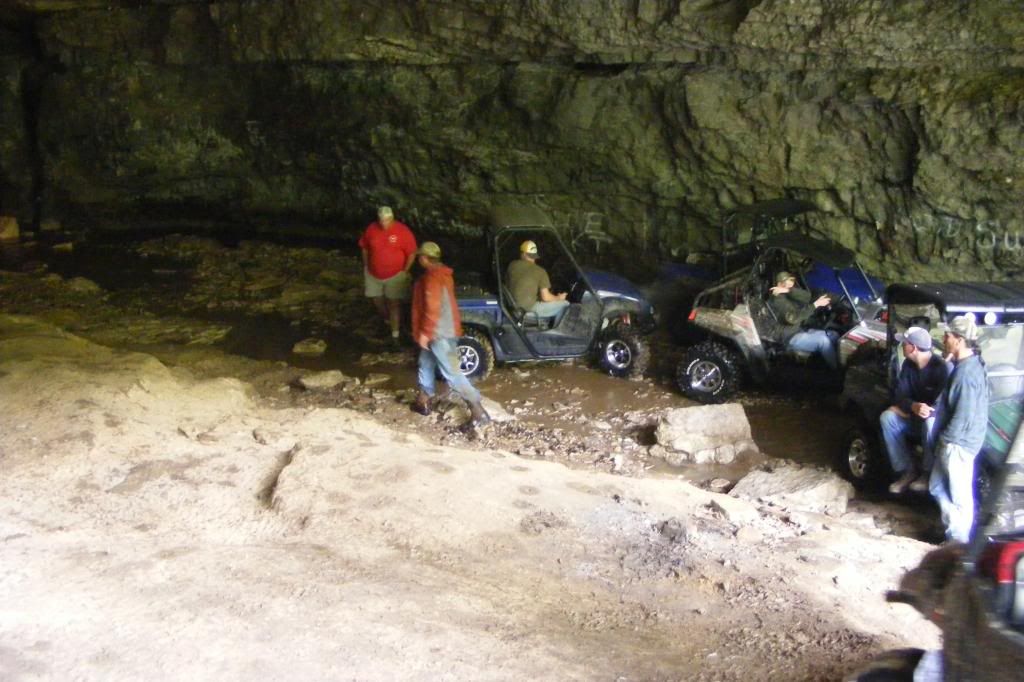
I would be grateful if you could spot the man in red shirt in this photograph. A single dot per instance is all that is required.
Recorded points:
(389, 250)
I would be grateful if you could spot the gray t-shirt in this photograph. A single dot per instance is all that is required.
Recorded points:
(525, 280)
(446, 322)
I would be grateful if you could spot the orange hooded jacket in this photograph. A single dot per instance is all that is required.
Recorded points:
(426, 301)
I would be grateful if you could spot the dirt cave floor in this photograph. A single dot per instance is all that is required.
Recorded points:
(173, 509)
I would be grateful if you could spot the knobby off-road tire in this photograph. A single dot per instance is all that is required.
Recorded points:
(476, 354)
(622, 353)
(709, 373)
(861, 461)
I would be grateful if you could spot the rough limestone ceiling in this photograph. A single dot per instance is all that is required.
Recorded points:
(636, 123)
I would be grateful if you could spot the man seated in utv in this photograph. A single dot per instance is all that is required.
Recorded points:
(922, 377)
(530, 285)
(793, 307)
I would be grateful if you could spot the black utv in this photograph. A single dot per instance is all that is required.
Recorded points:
(998, 310)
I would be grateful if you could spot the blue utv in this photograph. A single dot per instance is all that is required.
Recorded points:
(605, 320)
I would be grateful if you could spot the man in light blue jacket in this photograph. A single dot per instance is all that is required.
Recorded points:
(963, 423)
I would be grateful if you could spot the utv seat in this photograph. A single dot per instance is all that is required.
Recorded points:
(525, 319)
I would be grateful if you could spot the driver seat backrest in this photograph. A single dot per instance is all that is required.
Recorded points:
(527, 319)
(762, 315)
(758, 301)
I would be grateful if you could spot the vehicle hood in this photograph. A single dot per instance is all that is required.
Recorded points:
(609, 285)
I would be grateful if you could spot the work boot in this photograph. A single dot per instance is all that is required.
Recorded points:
(422, 403)
(478, 415)
(900, 484)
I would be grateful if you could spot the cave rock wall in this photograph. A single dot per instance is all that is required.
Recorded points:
(636, 124)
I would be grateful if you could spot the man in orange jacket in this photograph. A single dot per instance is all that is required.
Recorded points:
(435, 327)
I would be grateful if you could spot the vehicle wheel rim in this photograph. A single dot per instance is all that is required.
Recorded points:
(618, 354)
(469, 360)
(857, 458)
(706, 376)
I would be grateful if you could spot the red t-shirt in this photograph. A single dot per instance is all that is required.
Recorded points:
(388, 250)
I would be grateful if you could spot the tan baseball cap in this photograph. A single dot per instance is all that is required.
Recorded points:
(430, 250)
(964, 327)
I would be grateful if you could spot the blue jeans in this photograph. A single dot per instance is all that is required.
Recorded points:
(550, 309)
(443, 354)
(816, 341)
(952, 486)
(895, 430)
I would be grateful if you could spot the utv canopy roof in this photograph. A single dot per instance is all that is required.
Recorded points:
(960, 297)
(821, 250)
(519, 215)
(771, 227)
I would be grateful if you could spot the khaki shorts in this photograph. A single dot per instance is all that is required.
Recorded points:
(394, 288)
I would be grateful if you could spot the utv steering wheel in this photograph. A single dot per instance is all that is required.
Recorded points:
(837, 315)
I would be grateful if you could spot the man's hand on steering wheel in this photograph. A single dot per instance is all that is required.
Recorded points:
(836, 315)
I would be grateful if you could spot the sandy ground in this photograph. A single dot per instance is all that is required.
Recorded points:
(158, 525)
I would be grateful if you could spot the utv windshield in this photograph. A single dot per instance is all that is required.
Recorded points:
(852, 281)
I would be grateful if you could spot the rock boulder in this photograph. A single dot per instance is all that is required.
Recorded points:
(794, 487)
(704, 434)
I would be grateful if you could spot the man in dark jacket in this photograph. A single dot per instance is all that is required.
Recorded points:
(963, 421)
(793, 307)
(921, 380)
(435, 327)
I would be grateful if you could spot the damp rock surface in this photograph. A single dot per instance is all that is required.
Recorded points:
(637, 125)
